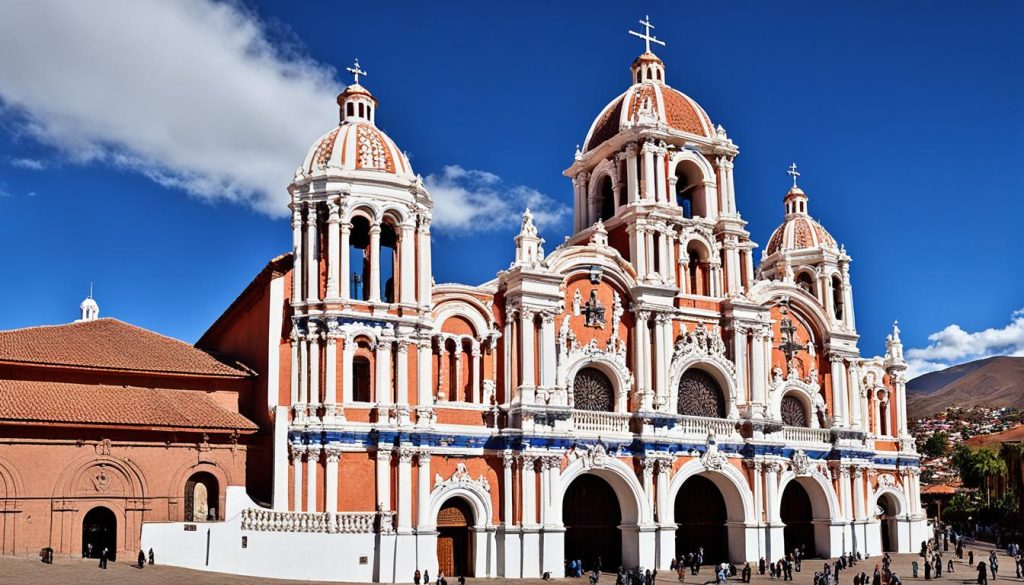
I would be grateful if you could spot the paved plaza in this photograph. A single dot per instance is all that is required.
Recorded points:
(19, 571)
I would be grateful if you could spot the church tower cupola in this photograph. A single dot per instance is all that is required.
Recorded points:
(648, 67)
(356, 103)
(90, 309)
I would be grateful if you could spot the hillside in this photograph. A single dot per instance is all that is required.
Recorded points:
(995, 382)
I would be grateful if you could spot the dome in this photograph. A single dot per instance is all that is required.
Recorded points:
(357, 145)
(799, 231)
(662, 103)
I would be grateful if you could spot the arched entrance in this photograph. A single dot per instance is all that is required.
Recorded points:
(201, 497)
(888, 509)
(798, 516)
(591, 514)
(701, 518)
(454, 539)
(99, 529)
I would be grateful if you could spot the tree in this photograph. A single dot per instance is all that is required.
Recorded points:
(937, 445)
(963, 461)
(988, 465)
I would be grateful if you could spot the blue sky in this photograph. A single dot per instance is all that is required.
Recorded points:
(146, 147)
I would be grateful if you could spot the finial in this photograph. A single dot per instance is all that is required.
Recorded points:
(792, 172)
(356, 71)
(896, 330)
(90, 290)
(647, 36)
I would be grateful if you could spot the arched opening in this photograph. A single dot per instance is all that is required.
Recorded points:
(593, 390)
(359, 258)
(454, 538)
(591, 514)
(388, 261)
(690, 190)
(887, 511)
(837, 297)
(607, 195)
(361, 379)
(883, 417)
(201, 497)
(794, 412)
(648, 74)
(798, 516)
(350, 109)
(99, 533)
(698, 270)
(806, 283)
(701, 518)
(700, 395)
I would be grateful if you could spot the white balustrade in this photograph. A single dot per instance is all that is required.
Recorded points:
(597, 421)
(703, 426)
(262, 520)
(806, 435)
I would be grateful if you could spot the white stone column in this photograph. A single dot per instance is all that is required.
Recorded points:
(632, 181)
(739, 352)
(845, 498)
(333, 219)
(660, 342)
(303, 376)
(648, 464)
(640, 248)
(297, 252)
(442, 361)
(405, 455)
(643, 366)
(671, 264)
(748, 263)
(476, 355)
(296, 367)
(312, 463)
(771, 490)
(508, 460)
(529, 479)
(545, 490)
(331, 487)
(314, 369)
(853, 377)
(423, 489)
(758, 371)
(423, 253)
(312, 256)
(383, 371)
(374, 283)
(424, 397)
(659, 176)
(649, 257)
(836, 363)
(296, 453)
(901, 402)
(402, 373)
(331, 375)
(649, 177)
(665, 503)
(548, 349)
(460, 391)
(344, 270)
(384, 479)
(407, 274)
(348, 352)
(526, 351)
(759, 504)
(859, 504)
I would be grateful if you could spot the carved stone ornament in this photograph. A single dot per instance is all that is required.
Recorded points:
(802, 463)
(701, 343)
(886, 480)
(713, 459)
(593, 311)
(595, 456)
(101, 481)
(461, 477)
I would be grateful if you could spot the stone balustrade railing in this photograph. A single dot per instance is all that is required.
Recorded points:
(263, 520)
(806, 435)
(703, 426)
(597, 421)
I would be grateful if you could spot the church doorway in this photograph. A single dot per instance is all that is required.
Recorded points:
(701, 519)
(591, 514)
(99, 529)
(201, 496)
(887, 511)
(798, 516)
(454, 542)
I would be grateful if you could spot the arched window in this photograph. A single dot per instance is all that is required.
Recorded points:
(201, 496)
(592, 390)
(350, 109)
(359, 258)
(362, 111)
(690, 189)
(659, 75)
(361, 379)
(794, 414)
(837, 296)
(648, 74)
(607, 199)
(700, 395)
(805, 282)
(698, 272)
(883, 418)
(388, 261)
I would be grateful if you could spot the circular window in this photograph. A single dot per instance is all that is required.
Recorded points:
(700, 395)
(793, 412)
(592, 390)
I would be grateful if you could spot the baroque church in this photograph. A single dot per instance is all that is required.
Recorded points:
(641, 390)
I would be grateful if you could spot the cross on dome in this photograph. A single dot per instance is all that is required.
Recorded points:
(792, 172)
(647, 36)
(356, 71)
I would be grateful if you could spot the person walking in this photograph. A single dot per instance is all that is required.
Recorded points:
(103, 558)
(426, 577)
(970, 558)
(982, 574)
(152, 559)
(416, 577)
(761, 566)
(142, 559)
(927, 570)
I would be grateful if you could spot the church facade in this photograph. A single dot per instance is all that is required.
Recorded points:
(633, 394)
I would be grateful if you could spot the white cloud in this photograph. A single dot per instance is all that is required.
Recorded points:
(953, 346)
(28, 163)
(193, 93)
(472, 200)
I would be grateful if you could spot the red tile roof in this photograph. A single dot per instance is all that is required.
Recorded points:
(96, 404)
(109, 344)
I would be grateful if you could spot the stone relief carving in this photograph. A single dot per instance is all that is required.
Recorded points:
(461, 477)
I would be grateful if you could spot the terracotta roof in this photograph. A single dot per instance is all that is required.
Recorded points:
(671, 107)
(109, 344)
(59, 402)
(941, 489)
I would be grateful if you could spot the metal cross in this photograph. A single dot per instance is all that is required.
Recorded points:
(647, 36)
(790, 345)
(356, 71)
(792, 172)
